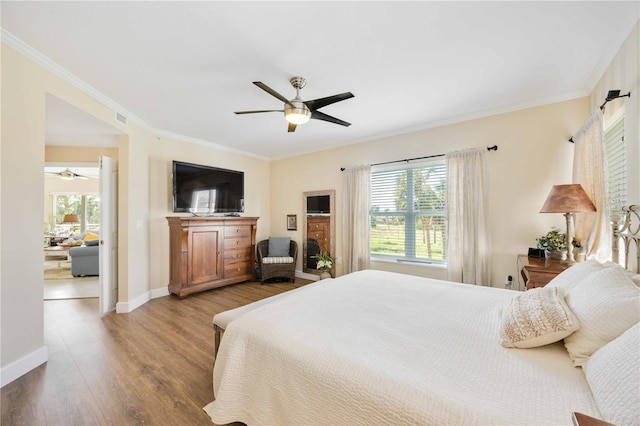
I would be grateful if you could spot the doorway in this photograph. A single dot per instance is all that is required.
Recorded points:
(75, 141)
(71, 227)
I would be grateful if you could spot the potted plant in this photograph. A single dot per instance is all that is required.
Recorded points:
(554, 244)
(324, 263)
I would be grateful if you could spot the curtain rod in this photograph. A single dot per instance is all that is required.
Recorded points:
(611, 95)
(489, 148)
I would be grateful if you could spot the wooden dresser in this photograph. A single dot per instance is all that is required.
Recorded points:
(318, 228)
(538, 272)
(209, 252)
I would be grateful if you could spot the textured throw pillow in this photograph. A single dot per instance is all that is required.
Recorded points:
(91, 236)
(571, 277)
(536, 318)
(613, 374)
(606, 303)
(279, 246)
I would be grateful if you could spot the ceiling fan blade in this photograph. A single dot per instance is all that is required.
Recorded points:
(80, 177)
(272, 92)
(259, 111)
(320, 102)
(317, 115)
(292, 127)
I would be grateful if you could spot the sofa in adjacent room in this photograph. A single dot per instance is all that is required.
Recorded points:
(85, 260)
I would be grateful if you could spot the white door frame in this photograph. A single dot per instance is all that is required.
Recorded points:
(108, 234)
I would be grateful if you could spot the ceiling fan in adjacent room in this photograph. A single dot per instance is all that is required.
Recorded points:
(67, 174)
(296, 111)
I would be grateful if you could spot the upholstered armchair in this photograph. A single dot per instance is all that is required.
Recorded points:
(283, 265)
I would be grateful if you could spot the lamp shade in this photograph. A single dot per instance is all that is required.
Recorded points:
(568, 199)
(71, 218)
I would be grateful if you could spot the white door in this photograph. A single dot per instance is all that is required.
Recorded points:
(108, 234)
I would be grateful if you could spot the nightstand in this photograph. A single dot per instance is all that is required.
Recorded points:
(538, 272)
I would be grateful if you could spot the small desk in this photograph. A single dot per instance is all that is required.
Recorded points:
(538, 272)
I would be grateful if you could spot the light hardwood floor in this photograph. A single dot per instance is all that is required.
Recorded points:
(152, 366)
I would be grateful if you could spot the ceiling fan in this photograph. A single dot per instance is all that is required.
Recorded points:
(296, 111)
(67, 174)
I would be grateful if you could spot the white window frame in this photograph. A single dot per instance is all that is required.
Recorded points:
(410, 215)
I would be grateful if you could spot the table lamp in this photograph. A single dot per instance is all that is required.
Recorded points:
(568, 199)
(73, 219)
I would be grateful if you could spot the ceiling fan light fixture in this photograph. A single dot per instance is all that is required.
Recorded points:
(297, 115)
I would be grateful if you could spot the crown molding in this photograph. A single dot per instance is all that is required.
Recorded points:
(24, 49)
(188, 139)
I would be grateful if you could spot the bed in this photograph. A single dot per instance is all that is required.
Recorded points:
(376, 347)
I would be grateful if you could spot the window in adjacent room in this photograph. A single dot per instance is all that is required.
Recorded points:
(86, 206)
(615, 156)
(408, 213)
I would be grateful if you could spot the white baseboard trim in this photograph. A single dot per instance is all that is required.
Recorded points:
(159, 292)
(23, 365)
(126, 307)
(307, 276)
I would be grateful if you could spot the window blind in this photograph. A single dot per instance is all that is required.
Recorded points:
(615, 157)
(408, 213)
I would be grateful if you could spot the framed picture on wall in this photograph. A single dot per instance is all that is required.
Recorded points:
(292, 222)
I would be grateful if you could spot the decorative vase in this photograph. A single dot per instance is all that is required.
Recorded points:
(324, 274)
(556, 254)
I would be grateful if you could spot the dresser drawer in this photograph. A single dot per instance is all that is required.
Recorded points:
(237, 269)
(238, 231)
(316, 235)
(234, 243)
(237, 255)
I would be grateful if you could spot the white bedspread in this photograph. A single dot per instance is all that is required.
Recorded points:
(382, 348)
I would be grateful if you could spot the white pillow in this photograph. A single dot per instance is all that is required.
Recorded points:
(606, 303)
(536, 318)
(613, 373)
(571, 277)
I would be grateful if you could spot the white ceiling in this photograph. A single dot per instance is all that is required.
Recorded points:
(184, 67)
(68, 126)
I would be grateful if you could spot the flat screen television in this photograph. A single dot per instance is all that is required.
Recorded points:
(205, 190)
(318, 204)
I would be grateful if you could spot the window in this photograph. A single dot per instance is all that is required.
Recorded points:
(408, 213)
(615, 156)
(86, 206)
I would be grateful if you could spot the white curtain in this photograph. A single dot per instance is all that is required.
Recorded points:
(592, 230)
(468, 234)
(355, 227)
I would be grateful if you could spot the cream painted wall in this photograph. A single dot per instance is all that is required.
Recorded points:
(21, 314)
(257, 189)
(77, 154)
(624, 73)
(24, 89)
(533, 155)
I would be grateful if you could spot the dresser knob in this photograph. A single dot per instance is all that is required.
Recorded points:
(237, 255)
(238, 269)
(237, 243)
